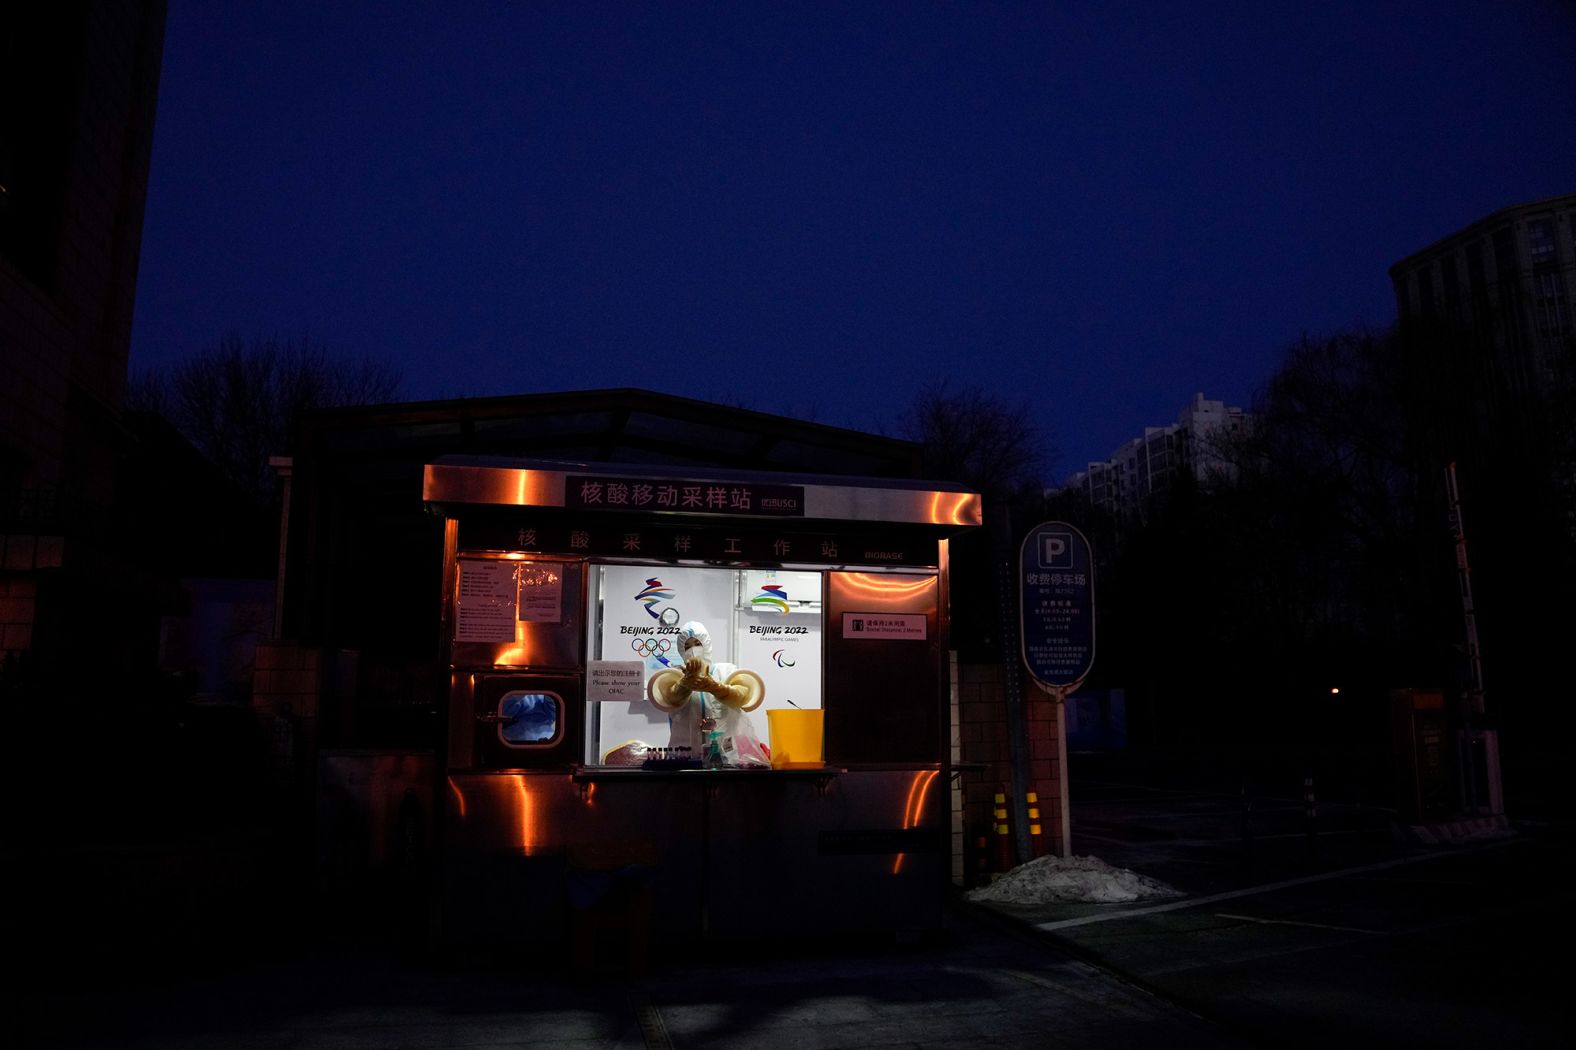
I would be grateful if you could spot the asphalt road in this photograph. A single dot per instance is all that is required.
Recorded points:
(1354, 935)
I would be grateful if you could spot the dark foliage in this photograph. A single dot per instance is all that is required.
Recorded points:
(238, 401)
(992, 445)
(1323, 558)
(1000, 450)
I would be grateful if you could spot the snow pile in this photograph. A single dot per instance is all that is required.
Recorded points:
(1050, 880)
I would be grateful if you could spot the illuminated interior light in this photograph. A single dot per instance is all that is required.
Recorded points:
(459, 796)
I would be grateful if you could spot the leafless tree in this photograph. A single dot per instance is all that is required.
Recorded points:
(237, 401)
(984, 441)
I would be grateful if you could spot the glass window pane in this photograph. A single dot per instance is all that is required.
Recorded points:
(530, 718)
(766, 622)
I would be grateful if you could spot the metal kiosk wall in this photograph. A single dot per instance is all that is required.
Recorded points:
(566, 589)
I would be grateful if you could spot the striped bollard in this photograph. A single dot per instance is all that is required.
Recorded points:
(1003, 834)
(1036, 831)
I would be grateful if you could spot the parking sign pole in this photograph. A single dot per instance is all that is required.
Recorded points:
(1012, 690)
(1056, 629)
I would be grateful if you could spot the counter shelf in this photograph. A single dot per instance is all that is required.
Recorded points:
(713, 779)
(582, 773)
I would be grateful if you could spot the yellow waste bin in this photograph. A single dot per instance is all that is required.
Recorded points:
(795, 738)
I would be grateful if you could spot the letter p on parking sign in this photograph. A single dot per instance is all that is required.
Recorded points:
(1056, 550)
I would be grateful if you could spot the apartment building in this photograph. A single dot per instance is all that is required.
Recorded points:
(1508, 281)
(1144, 469)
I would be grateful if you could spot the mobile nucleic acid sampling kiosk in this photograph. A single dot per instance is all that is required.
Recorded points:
(730, 688)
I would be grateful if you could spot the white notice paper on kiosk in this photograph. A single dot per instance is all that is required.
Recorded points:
(541, 594)
(615, 681)
(486, 607)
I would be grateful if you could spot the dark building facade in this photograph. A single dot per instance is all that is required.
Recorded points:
(80, 82)
(1509, 280)
(1488, 325)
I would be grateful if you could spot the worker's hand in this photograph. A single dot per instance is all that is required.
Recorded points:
(695, 674)
(698, 679)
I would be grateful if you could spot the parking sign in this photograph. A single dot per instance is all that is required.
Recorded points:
(1056, 591)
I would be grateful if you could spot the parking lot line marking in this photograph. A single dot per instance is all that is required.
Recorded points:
(1247, 891)
(653, 1032)
(1293, 922)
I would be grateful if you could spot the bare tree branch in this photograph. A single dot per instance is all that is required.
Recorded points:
(978, 439)
(238, 401)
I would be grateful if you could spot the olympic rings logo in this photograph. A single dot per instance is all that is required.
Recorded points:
(650, 646)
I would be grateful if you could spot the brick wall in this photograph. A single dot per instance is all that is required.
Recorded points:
(981, 739)
(1046, 754)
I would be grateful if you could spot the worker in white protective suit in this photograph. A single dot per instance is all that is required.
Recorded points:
(707, 704)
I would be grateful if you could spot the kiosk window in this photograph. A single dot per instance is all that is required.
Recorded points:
(530, 719)
(760, 620)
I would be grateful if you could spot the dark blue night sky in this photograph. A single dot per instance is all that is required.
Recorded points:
(813, 209)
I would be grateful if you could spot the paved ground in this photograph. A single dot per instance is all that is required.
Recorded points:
(1356, 936)
(981, 985)
(176, 935)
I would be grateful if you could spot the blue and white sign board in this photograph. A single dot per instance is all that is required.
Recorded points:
(1056, 586)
